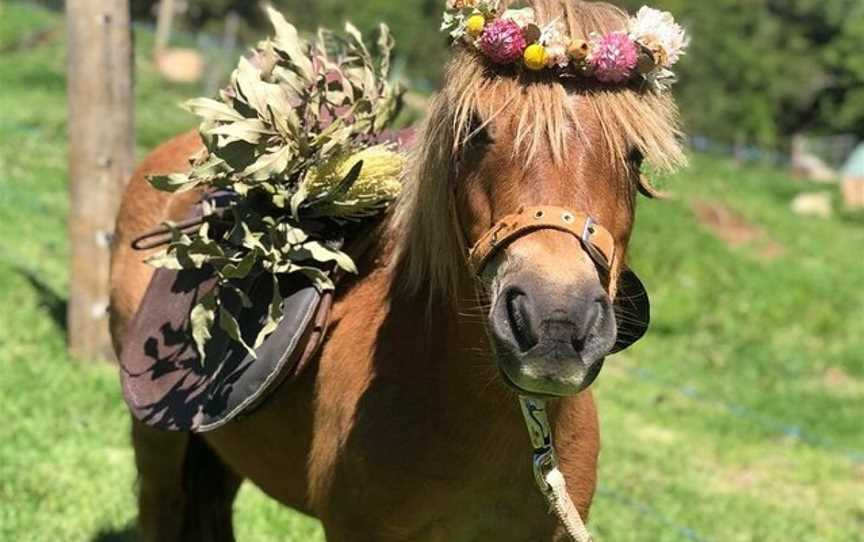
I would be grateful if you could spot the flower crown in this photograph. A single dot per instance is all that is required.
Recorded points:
(651, 45)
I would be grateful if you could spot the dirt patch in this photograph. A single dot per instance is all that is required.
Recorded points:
(744, 479)
(839, 382)
(733, 229)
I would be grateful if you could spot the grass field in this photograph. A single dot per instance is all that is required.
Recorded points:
(737, 419)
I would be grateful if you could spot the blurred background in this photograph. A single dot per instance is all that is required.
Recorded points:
(739, 418)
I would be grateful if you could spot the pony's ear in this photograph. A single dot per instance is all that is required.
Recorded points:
(648, 190)
(632, 311)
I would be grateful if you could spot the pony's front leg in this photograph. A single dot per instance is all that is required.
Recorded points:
(159, 458)
(185, 492)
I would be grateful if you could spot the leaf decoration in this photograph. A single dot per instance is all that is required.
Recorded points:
(202, 318)
(290, 140)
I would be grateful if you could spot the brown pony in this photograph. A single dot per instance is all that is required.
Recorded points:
(406, 426)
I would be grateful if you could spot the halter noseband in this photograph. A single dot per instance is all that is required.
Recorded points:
(595, 239)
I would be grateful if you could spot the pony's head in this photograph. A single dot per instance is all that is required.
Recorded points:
(499, 143)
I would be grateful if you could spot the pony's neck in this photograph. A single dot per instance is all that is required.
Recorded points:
(442, 360)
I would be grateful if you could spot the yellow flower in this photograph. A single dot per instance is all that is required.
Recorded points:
(475, 25)
(535, 57)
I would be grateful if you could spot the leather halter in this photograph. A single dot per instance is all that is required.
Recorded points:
(595, 239)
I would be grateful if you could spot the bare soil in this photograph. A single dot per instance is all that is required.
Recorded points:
(736, 231)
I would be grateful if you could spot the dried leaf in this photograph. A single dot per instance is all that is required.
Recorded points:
(164, 260)
(319, 279)
(228, 324)
(201, 319)
(319, 252)
(212, 110)
(386, 42)
(175, 182)
(269, 165)
(274, 315)
(288, 41)
(292, 107)
(248, 130)
(241, 269)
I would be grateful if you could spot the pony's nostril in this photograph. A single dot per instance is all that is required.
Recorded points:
(519, 317)
(592, 318)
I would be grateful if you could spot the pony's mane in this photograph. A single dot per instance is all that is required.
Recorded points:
(429, 249)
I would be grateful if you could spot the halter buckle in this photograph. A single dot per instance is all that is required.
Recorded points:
(589, 230)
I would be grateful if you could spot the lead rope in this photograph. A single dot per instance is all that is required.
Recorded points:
(546, 472)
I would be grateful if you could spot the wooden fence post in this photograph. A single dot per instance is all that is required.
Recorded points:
(164, 24)
(101, 158)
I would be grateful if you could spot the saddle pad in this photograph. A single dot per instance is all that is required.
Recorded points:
(166, 383)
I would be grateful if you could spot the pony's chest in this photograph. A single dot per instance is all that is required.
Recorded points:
(409, 470)
(412, 506)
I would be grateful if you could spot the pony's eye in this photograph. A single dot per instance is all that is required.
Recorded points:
(482, 136)
(476, 141)
(479, 132)
(636, 157)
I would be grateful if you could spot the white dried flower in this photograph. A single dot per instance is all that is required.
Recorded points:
(658, 31)
(523, 17)
(554, 38)
(661, 79)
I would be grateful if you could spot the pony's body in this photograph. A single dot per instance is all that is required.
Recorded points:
(403, 428)
(400, 430)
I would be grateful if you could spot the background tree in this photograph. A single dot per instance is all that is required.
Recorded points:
(762, 70)
(758, 71)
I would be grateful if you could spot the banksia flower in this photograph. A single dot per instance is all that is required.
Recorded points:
(613, 56)
(378, 183)
(502, 41)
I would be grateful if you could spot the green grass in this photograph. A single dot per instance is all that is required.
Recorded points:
(738, 418)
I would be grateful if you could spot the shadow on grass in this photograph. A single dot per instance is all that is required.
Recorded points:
(855, 218)
(126, 534)
(53, 303)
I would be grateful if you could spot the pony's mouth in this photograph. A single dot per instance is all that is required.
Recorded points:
(526, 393)
(546, 384)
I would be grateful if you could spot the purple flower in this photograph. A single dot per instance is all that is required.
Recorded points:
(614, 56)
(502, 41)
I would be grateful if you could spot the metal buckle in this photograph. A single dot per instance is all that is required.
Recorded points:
(493, 241)
(540, 433)
(534, 412)
(544, 462)
(588, 231)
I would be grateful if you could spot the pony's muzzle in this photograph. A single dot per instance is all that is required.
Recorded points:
(552, 340)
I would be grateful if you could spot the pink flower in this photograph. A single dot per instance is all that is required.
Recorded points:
(502, 41)
(614, 56)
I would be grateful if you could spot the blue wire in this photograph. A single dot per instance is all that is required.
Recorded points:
(654, 514)
(746, 413)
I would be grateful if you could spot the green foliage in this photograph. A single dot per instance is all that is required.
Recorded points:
(761, 71)
(757, 72)
(422, 49)
(290, 120)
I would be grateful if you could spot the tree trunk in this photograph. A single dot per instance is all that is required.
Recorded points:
(164, 24)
